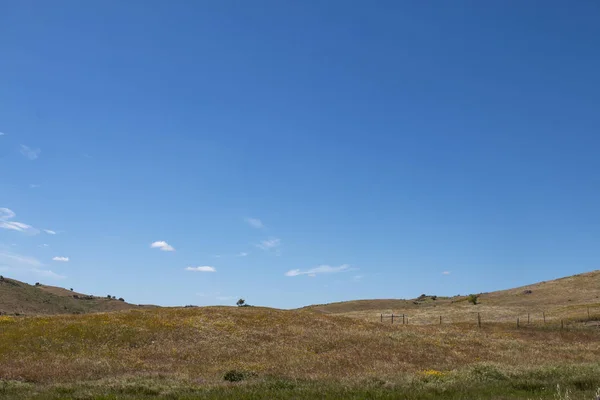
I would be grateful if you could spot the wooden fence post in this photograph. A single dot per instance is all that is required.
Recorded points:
(403, 319)
(562, 326)
(527, 318)
(381, 317)
(392, 318)
(544, 315)
(479, 320)
(517, 322)
(440, 319)
(588, 313)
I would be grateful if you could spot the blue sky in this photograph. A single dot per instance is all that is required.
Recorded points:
(298, 152)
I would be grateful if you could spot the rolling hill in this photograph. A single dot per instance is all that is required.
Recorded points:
(568, 297)
(19, 298)
(333, 351)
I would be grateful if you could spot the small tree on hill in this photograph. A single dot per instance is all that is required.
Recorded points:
(241, 303)
(472, 299)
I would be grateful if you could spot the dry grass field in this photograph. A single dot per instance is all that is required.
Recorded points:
(254, 352)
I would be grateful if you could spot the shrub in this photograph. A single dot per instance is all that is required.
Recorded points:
(109, 296)
(37, 284)
(71, 289)
(121, 299)
(234, 376)
(241, 303)
(472, 299)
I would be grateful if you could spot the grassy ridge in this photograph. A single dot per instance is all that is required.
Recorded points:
(23, 299)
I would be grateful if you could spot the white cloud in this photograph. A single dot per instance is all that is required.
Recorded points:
(64, 259)
(242, 254)
(254, 222)
(43, 245)
(269, 244)
(6, 215)
(205, 268)
(34, 186)
(446, 273)
(49, 232)
(1, 133)
(30, 153)
(321, 269)
(47, 274)
(164, 246)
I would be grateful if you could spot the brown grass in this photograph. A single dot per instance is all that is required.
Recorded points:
(206, 342)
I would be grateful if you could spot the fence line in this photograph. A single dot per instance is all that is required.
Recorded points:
(563, 321)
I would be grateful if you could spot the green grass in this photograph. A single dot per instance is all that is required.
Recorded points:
(484, 381)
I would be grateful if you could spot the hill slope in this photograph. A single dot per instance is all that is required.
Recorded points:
(19, 298)
(567, 297)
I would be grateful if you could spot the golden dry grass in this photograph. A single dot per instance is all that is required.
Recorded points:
(205, 342)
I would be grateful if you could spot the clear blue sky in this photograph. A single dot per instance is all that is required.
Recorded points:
(307, 151)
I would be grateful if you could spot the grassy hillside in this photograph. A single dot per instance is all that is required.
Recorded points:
(181, 352)
(565, 298)
(19, 298)
(333, 351)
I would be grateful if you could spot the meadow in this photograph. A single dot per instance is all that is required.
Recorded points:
(253, 352)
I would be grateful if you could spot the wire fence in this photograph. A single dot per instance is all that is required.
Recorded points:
(590, 317)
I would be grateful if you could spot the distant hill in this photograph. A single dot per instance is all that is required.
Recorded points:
(19, 298)
(568, 297)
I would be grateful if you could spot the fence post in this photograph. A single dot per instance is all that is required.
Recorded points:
(479, 320)
(402, 319)
(440, 319)
(517, 322)
(392, 318)
(562, 325)
(381, 315)
(544, 315)
(527, 318)
(588, 313)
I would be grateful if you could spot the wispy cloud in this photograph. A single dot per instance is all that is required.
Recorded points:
(269, 244)
(357, 278)
(321, 269)
(34, 186)
(30, 153)
(242, 254)
(63, 259)
(17, 262)
(14, 260)
(254, 222)
(49, 232)
(47, 274)
(446, 273)
(162, 245)
(6, 222)
(2, 133)
(204, 268)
